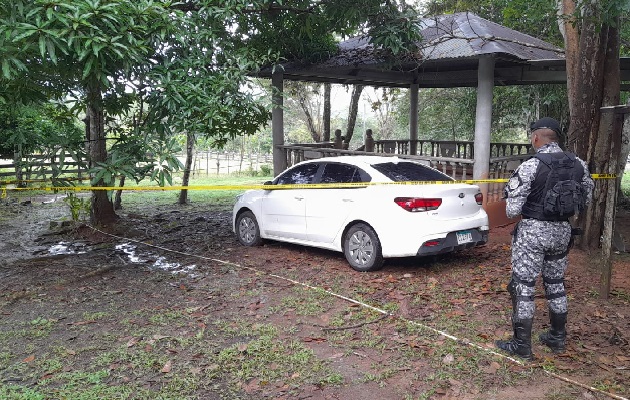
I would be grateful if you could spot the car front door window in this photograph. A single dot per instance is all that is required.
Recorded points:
(300, 175)
(283, 211)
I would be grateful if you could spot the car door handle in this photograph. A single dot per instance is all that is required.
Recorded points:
(298, 198)
(347, 200)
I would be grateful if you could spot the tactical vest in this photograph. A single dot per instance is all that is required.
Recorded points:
(556, 192)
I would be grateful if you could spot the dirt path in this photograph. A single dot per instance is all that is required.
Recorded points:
(218, 321)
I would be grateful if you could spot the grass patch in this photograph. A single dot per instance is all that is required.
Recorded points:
(270, 359)
(222, 199)
(262, 355)
(305, 302)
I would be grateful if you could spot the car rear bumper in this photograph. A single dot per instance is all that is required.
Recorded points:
(450, 243)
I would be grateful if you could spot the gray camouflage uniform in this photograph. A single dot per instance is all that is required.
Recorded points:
(535, 243)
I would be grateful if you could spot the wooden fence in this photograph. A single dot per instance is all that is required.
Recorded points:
(216, 163)
(39, 168)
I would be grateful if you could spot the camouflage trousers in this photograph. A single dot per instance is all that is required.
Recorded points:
(539, 247)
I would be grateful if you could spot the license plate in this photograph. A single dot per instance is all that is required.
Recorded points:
(464, 237)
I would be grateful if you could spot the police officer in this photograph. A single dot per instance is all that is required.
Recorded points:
(540, 243)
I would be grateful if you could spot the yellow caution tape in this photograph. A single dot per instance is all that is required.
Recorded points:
(603, 176)
(274, 187)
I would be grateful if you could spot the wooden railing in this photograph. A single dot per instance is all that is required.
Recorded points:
(448, 148)
(459, 168)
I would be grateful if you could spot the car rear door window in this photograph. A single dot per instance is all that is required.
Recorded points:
(340, 173)
(302, 174)
(409, 171)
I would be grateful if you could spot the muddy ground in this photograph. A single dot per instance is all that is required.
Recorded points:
(167, 304)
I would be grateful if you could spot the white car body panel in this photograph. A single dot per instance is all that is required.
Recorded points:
(282, 215)
(319, 217)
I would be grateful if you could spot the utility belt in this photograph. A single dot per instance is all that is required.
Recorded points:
(551, 257)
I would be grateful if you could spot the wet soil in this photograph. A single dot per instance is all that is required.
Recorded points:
(420, 328)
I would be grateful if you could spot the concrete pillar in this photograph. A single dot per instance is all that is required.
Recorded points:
(413, 118)
(483, 123)
(483, 120)
(277, 121)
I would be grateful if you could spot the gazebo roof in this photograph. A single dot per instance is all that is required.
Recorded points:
(448, 57)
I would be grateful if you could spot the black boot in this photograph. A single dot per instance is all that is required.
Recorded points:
(521, 344)
(556, 336)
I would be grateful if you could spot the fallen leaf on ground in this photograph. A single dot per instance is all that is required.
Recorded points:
(492, 368)
(167, 367)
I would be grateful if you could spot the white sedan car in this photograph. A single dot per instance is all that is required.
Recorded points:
(367, 223)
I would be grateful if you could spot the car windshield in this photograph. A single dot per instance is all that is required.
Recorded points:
(408, 171)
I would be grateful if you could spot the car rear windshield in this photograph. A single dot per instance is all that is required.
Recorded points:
(408, 171)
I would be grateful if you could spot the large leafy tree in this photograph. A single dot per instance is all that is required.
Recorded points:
(88, 48)
(593, 36)
(190, 59)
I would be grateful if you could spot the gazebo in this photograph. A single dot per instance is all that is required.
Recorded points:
(457, 50)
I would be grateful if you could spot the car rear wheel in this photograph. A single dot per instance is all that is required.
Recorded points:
(247, 229)
(362, 248)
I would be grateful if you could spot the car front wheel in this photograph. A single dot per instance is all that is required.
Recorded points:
(362, 248)
(247, 229)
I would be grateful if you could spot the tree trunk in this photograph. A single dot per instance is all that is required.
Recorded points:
(594, 135)
(118, 197)
(625, 142)
(102, 208)
(190, 146)
(327, 108)
(587, 98)
(608, 148)
(569, 30)
(310, 123)
(19, 171)
(352, 114)
(604, 150)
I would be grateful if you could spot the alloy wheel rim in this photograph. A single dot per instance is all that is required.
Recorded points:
(361, 248)
(247, 230)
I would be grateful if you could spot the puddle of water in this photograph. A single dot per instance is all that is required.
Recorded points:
(130, 250)
(68, 248)
(160, 262)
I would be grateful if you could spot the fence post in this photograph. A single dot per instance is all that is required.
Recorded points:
(369, 141)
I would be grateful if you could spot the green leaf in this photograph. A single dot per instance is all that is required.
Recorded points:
(87, 69)
(42, 46)
(6, 68)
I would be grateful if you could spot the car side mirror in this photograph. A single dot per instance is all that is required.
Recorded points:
(268, 183)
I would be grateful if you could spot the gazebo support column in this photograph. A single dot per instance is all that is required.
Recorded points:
(277, 121)
(483, 121)
(413, 118)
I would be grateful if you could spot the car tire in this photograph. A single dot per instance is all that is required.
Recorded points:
(362, 248)
(247, 230)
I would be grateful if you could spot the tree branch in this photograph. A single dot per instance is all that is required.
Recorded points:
(271, 7)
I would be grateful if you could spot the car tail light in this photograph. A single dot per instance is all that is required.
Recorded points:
(414, 204)
(479, 198)
(431, 243)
